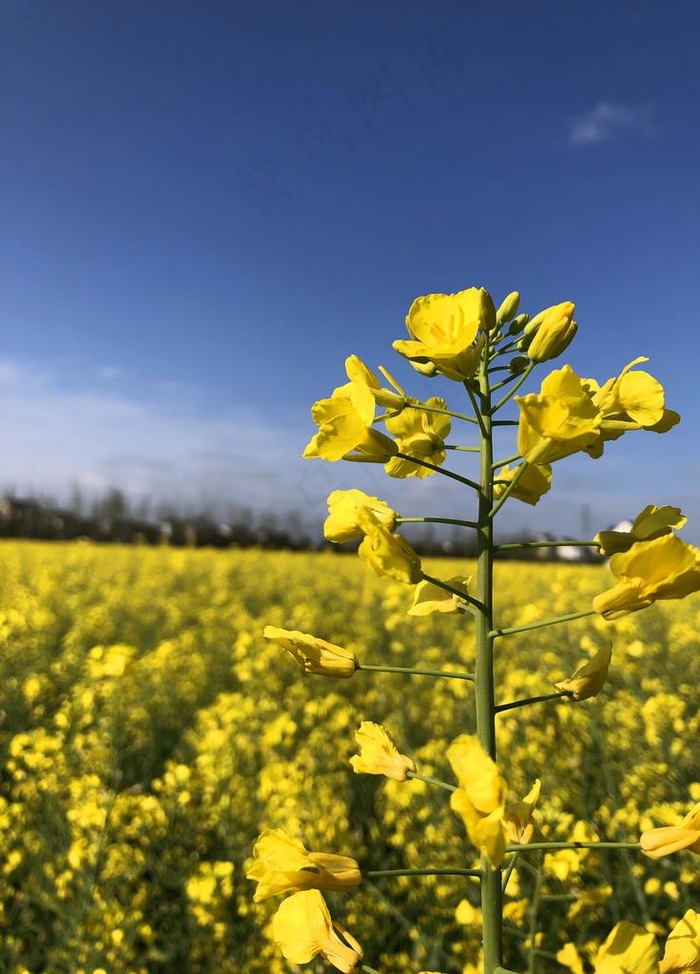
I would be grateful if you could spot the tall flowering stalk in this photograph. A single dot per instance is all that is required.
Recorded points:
(489, 354)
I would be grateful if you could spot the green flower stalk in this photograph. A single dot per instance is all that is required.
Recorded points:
(459, 337)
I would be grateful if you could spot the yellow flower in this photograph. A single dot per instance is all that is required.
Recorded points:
(656, 843)
(665, 568)
(533, 483)
(282, 865)
(388, 554)
(632, 400)
(345, 428)
(313, 654)
(419, 434)
(345, 510)
(429, 598)
(366, 385)
(445, 331)
(652, 522)
(480, 798)
(683, 946)
(552, 332)
(303, 929)
(559, 420)
(519, 824)
(590, 678)
(378, 753)
(629, 949)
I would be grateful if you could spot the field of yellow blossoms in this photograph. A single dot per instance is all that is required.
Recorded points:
(149, 733)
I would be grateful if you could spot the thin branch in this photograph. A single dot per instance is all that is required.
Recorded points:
(541, 625)
(414, 671)
(434, 467)
(499, 708)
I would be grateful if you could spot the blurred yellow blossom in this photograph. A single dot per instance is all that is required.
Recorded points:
(282, 865)
(313, 654)
(629, 949)
(589, 679)
(303, 929)
(663, 841)
(682, 951)
(378, 753)
(429, 598)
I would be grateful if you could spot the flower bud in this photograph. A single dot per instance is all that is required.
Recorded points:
(517, 324)
(508, 308)
(552, 332)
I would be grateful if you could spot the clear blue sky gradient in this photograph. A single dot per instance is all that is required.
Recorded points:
(207, 207)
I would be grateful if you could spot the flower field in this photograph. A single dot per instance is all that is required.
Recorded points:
(149, 733)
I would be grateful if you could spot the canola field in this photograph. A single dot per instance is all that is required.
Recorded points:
(148, 734)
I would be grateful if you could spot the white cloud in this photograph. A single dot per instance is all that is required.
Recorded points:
(52, 438)
(606, 120)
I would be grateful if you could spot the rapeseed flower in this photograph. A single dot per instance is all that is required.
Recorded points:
(429, 598)
(629, 949)
(682, 951)
(559, 420)
(447, 331)
(347, 510)
(480, 800)
(345, 428)
(366, 386)
(378, 753)
(664, 841)
(313, 654)
(282, 865)
(418, 434)
(651, 523)
(633, 400)
(388, 554)
(589, 679)
(303, 929)
(664, 568)
(533, 482)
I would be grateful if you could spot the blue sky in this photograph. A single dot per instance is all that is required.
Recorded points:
(206, 208)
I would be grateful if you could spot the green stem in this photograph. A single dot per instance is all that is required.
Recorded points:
(464, 449)
(436, 469)
(511, 392)
(380, 873)
(546, 846)
(534, 909)
(491, 891)
(414, 671)
(527, 700)
(436, 520)
(522, 545)
(444, 412)
(502, 463)
(510, 487)
(483, 383)
(453, 591)
(431, 781)
(554, 621)
(505, 422)
(369, 970)
(511, 866)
